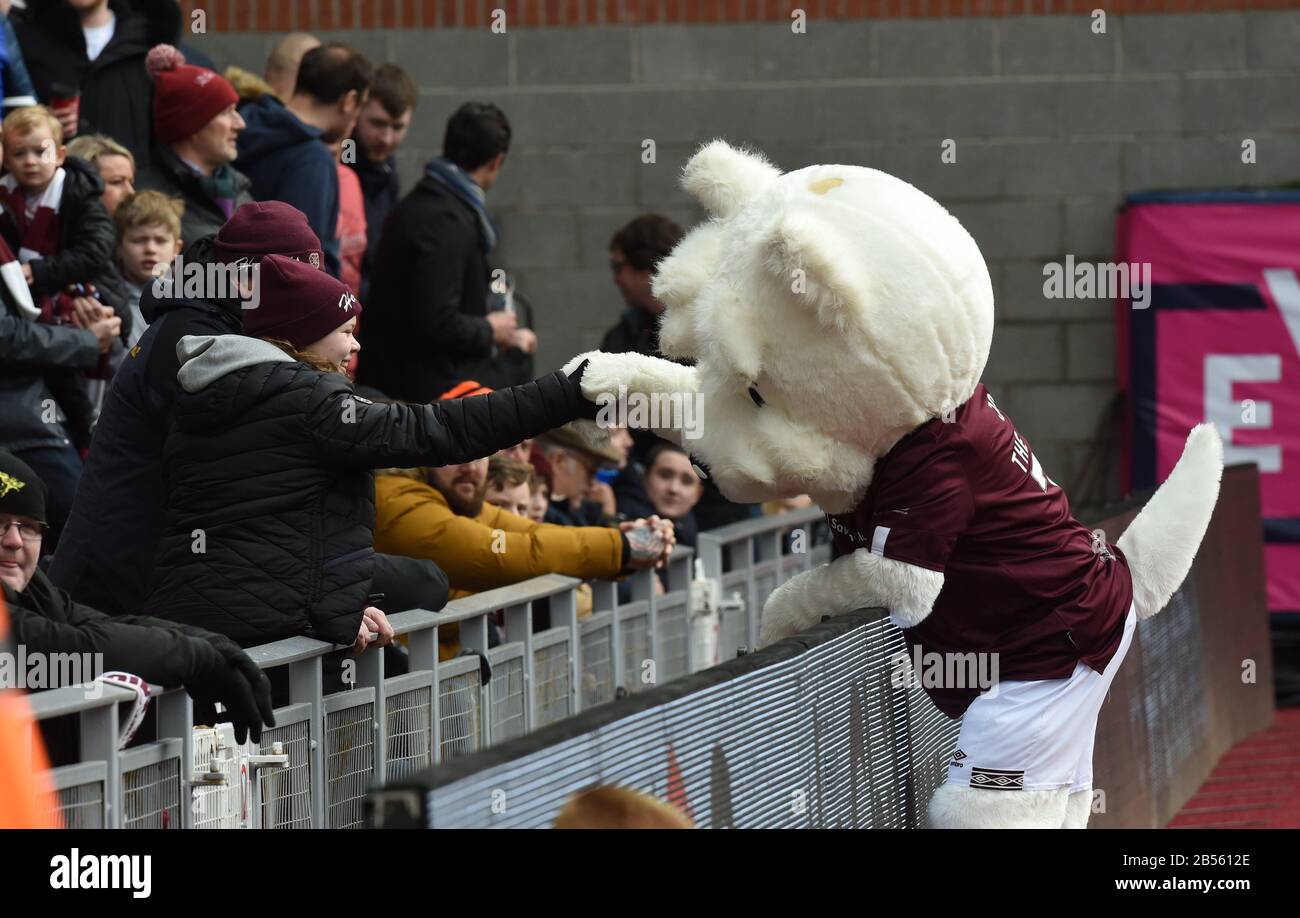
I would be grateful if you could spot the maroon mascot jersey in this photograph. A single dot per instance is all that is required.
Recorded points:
(965, 496)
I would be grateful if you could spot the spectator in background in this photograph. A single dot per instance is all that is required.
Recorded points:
(541, 487)
(148, 238)
(285, 149)
(53, 219)
(672, 489)
(427, 323)
(351, 229)
(281, 71)
(196, 126)
(634, 252)
(86, 59)
(510, 485)
(574, 463)
(626, 483)
(441, 514)
(47, 621)
(122, 481)
(384, 121)
(28, 352)
(15, 82)
(52, 215)
(113, 162)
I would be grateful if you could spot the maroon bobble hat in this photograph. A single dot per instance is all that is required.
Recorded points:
(185, 98)
(297, 303)
(267, 228)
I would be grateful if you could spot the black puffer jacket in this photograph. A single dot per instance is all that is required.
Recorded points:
(121, 483)
(116, 92)
(270, 511)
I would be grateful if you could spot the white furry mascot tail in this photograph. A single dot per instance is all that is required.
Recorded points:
(1162, 540)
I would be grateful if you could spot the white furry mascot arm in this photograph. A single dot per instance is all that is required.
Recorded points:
(856, 581)
(608, 376)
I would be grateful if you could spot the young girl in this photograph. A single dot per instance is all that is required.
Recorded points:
(270, 512)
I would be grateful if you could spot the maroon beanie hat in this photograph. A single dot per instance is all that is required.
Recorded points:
(185, 98)
(298, 303)
(267, 228)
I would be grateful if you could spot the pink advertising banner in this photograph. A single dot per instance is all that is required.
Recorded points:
(1210, 331)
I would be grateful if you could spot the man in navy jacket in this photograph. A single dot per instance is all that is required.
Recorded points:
(285, 147)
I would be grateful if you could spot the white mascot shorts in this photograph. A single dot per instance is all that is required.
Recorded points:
(1036, 735)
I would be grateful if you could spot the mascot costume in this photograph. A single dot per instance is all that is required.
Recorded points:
(839, 321)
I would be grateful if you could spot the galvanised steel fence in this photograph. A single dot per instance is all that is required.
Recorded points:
(383, 728)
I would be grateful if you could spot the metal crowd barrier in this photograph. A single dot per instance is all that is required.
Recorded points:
(756, 556)
(384, 728)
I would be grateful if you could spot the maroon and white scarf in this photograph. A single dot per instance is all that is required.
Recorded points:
(35, 225)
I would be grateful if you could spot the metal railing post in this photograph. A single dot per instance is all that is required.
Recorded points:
(370, 672)
(98, 728)
(305, 688)
(422, 648)
(176, 719)
(519, 627)
(474, 636)
(564, 614)
(643, 588)
(745, 548)
(604, 597)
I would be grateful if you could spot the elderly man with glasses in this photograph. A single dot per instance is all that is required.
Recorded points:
(45, 620)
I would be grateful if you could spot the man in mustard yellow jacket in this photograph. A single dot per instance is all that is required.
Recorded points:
(440, 514)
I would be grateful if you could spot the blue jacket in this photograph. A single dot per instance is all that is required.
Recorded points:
(14, 81)
(287, 161)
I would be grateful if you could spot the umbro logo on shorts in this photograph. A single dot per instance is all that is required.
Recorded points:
(957, 758)
(997, 779)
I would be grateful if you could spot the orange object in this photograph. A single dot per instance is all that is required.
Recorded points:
(27, 799)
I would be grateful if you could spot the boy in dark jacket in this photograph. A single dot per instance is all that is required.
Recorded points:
(285, 149)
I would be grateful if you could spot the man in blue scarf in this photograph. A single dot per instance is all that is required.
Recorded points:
(427, 322)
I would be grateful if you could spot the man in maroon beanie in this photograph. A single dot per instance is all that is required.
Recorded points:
(122, 481)
(195, 126)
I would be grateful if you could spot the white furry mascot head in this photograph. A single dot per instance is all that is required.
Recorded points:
(829, 311)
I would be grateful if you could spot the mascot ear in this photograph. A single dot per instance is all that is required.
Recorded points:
(725, 179)
(807, 255)
(677, 283)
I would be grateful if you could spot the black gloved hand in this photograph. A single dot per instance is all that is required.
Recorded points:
(224, 673)
(586, 408)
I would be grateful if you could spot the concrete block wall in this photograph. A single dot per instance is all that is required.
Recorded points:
(1053, 126)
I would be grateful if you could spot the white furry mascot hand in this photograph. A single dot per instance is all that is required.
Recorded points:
(862, 580)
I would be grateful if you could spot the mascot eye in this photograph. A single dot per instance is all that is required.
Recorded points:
(758, 399)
